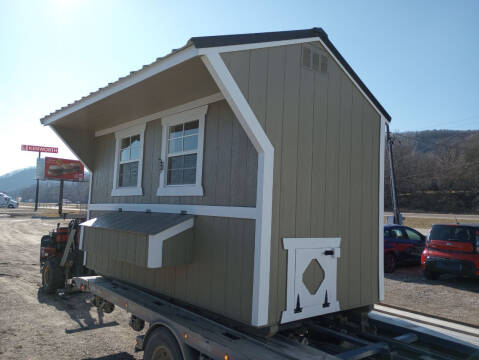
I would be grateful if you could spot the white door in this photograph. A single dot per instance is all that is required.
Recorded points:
(312, 277)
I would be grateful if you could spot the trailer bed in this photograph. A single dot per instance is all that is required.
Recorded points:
(326, 337)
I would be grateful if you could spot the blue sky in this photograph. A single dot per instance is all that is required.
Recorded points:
(419, 58)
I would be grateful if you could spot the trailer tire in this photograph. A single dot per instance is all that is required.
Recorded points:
(162, 345)
(52, 276)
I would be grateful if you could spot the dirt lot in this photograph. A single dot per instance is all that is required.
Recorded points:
(449, 297)
(35, 325)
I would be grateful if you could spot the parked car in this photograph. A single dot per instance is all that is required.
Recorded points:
(451, 249)
(6, 201)
(402, 245)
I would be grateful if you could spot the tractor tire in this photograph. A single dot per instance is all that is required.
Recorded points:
(162, 345)
(46, 241)
(390, 262)
(52, 276)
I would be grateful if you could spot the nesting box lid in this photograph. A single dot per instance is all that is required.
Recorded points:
(149, 223)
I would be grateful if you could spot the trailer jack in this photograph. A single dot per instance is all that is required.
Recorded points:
(103, 305)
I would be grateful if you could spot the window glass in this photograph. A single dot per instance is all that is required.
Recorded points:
(191, 128)
(128, 175)
(397, 233)
(129, 156)
(451, 233)
(175, 145)
(387, 233)
(412, 235)
(182, 169)
(190, 143)
(182, 153)
(176, 131)
(130, 148)
(135, 147)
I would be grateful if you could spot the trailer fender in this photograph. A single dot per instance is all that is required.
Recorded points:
(187, 352)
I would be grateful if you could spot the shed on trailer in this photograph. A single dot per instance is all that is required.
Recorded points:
(240, 174)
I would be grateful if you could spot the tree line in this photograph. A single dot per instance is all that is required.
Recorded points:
(436, 171)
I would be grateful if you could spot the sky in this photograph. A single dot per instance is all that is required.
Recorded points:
(420, 58)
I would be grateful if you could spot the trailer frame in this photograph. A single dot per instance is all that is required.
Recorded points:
(200, 337)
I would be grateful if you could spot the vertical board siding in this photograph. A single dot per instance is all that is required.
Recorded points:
(274, 129)
(326, 140)
(219, 277)
(227, 152)
(344, 203)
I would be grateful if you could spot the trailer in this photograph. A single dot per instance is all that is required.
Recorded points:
(180, 333)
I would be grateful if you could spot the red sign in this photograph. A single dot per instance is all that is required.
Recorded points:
(36, 148)
(65, 169)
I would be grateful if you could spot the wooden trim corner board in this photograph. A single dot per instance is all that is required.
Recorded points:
(382, 135)
(264, 193)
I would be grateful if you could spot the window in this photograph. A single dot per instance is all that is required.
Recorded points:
(128, 162)
(182, 153)
(412, 235)
(397, 234)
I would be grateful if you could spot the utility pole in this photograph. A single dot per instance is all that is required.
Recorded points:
(60, 198)
(397, 214)
(38, 185)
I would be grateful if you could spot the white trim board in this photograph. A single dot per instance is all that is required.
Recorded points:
(241, 47)
(264, 190)
(382, 135)
(252, 46)
(351, 78)
(151, 70)
(155, 242)
(205, 210)
(158, 115)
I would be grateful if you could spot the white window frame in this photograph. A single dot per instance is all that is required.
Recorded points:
(129, 190)
(196, 189)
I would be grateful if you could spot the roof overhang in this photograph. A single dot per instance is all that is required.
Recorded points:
(198, 46)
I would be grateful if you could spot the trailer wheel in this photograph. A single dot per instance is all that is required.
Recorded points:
(389, 262)
(52, 276)
(161, 345)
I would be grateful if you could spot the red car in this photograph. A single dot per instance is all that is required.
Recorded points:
(451, 249)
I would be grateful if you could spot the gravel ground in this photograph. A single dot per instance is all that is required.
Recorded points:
(449, 297)
(35, 325)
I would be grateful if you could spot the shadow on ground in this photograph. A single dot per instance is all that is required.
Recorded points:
(79, 310)
(118, 356)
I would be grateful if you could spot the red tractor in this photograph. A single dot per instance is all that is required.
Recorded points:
(61, 257)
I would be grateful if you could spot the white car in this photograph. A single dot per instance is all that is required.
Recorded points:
(6, 201)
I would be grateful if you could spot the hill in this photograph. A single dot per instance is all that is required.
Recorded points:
(17, 179)
(436, 171)
(21, 183)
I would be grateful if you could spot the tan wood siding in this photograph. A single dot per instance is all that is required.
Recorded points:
(326, 168)
(219, 277)
(229, 164)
